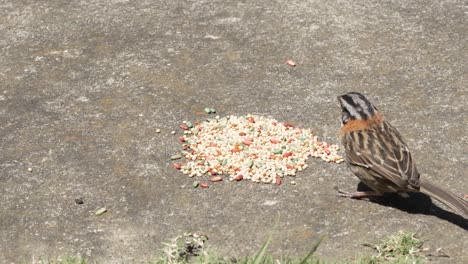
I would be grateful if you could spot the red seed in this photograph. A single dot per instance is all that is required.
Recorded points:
(272, 157)
(247, 142)
(241, 134)
(216, 179)
(182, 139)
(287, 124)
(239, 177)
(177, 166)
(278, 181)
(287, 154)
(212, 172)
(235, 150)
(184, 127)
(289, 166)
(274, 123)
(290, 140)
(185, 147)
(291, 63)
(251, 120)
(327, 151)
(274, 141)
(204, 184)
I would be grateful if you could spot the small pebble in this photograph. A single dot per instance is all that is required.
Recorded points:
(79, 201)
(173, 132)
(293, 182)
(158, 130)
(30, 169)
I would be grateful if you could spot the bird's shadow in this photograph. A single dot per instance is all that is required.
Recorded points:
(416, 203)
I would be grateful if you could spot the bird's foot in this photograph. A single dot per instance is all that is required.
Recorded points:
(357, 195)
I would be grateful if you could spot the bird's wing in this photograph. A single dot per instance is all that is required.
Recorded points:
(386, 157)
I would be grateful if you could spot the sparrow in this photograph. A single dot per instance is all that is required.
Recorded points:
(378, 156)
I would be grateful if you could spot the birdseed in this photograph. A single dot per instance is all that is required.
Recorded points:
(250, 147)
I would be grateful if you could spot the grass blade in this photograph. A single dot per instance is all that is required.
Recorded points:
(260, 255)
(312, 251)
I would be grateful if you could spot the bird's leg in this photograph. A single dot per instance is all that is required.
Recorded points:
(357, 195)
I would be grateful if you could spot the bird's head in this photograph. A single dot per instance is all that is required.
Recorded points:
(355, 106)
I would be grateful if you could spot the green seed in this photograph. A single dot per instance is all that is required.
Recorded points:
(302, 138)
(212, 110)
(295, 159)
(224, 162)
(189, 124)
(207, 110)
(277, 151)
(100, 211)
(187, 168)
(176, 156)
(195, 184)
(250, 163)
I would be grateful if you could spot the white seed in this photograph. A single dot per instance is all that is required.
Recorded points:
(158, 130)
(173, 132)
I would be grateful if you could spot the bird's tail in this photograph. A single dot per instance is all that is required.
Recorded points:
(455, 203)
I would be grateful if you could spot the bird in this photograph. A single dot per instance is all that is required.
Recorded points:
(376, 153)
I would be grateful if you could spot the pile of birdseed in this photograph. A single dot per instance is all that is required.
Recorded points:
(249, 147)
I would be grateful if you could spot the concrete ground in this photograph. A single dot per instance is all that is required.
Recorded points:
(85, 84)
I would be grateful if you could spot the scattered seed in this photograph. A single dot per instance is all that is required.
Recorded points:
(239, 177)
(293, 182)
(182, 139)
(184, 127)
(204, 184)
(177, 166)
(212, 111)
(176, 156)
(100, 211)
(173, 132)
(277, 151)
(30, 169)
(278, 181)
(195, 184)
(189, 124)
(291, 63)
(216, 179)
(158, 130)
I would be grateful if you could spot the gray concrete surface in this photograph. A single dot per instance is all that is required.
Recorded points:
(85, 84)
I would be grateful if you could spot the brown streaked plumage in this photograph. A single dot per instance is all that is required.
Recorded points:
(378, 156)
